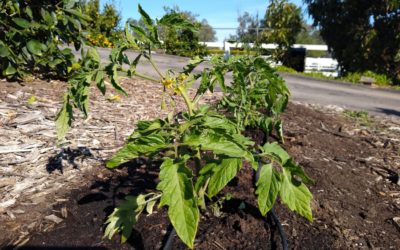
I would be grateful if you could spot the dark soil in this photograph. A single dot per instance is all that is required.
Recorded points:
(354, 198)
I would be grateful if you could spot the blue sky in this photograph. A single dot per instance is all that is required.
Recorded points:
(219, 13)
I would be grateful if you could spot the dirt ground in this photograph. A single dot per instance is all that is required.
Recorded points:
(355, 164)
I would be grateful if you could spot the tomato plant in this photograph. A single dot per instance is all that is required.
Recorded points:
(201, 149)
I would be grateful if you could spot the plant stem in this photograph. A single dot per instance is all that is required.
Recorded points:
(156, 68)
(188, 102)
(146, 77)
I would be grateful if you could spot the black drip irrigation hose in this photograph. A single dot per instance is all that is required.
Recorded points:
(274, 217)
(170, 239)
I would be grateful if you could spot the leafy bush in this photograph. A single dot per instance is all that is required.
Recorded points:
(202, 148)
(355, 77)
(31, 35)
(103, 29)
(182, 41)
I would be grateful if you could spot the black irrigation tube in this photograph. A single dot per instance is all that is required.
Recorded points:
(274, 217)
(168, 243)
(170, 239)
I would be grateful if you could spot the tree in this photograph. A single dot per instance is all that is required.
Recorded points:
(183, 41)
(206, 32)
(309, 35)
(249, 28)
(362, 35)
(104, 27)
(282, 22)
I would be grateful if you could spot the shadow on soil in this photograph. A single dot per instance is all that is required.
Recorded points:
(55, 248)
(69, 155)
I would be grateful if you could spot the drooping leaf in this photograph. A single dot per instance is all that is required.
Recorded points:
(222, 174)
(295, 195)
(178, 194)
(276, 151)
(268, 186)
(124, 217)
(100, 81)
(64, 119)
(140, 147)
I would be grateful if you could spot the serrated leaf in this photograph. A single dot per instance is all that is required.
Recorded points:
(222, 174)
(124, 217)
(113, 73)
(36, 47)
(145, 18)
(268, 186)
(178, 194)
(227, 148)
(296, 195)
(276, 151)
(219, 76)
(140, 147)
(99, 79)
(64, 119)
(93, 54)
(21, 22)
(297, 171)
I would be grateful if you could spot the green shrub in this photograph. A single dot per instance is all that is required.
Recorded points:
(355, 77)
(31, 34)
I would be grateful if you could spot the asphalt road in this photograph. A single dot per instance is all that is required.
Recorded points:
(380, 102)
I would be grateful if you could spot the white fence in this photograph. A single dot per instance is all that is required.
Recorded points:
(326, 66)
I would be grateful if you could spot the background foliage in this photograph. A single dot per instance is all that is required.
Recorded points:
(104, 26)
(185, 42)
(30, 35)
(362, 35)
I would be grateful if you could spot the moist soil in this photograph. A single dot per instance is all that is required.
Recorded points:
(353, 206)
(356, 196)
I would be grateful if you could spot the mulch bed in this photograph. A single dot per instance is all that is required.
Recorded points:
(355, 206)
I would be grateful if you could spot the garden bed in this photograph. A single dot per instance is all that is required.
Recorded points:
(356, 194)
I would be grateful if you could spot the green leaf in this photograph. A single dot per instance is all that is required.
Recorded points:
(142, 146)
(10, 70)
(268, 186)
(219, 76)
(113, 73)
(28, 11)
(276, 152)
(64, 119)
(4, 51)
(21, 22)
(227, 148)
(145, 18)
(124, 217)
(36, 47)
(178, 194)
(279, 130)
(100, 81)
(93, 54)
(223, 174)
(298, 172)
(296, 195)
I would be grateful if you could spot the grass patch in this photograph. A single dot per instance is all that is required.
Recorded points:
(361, 117)
(355, 77)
